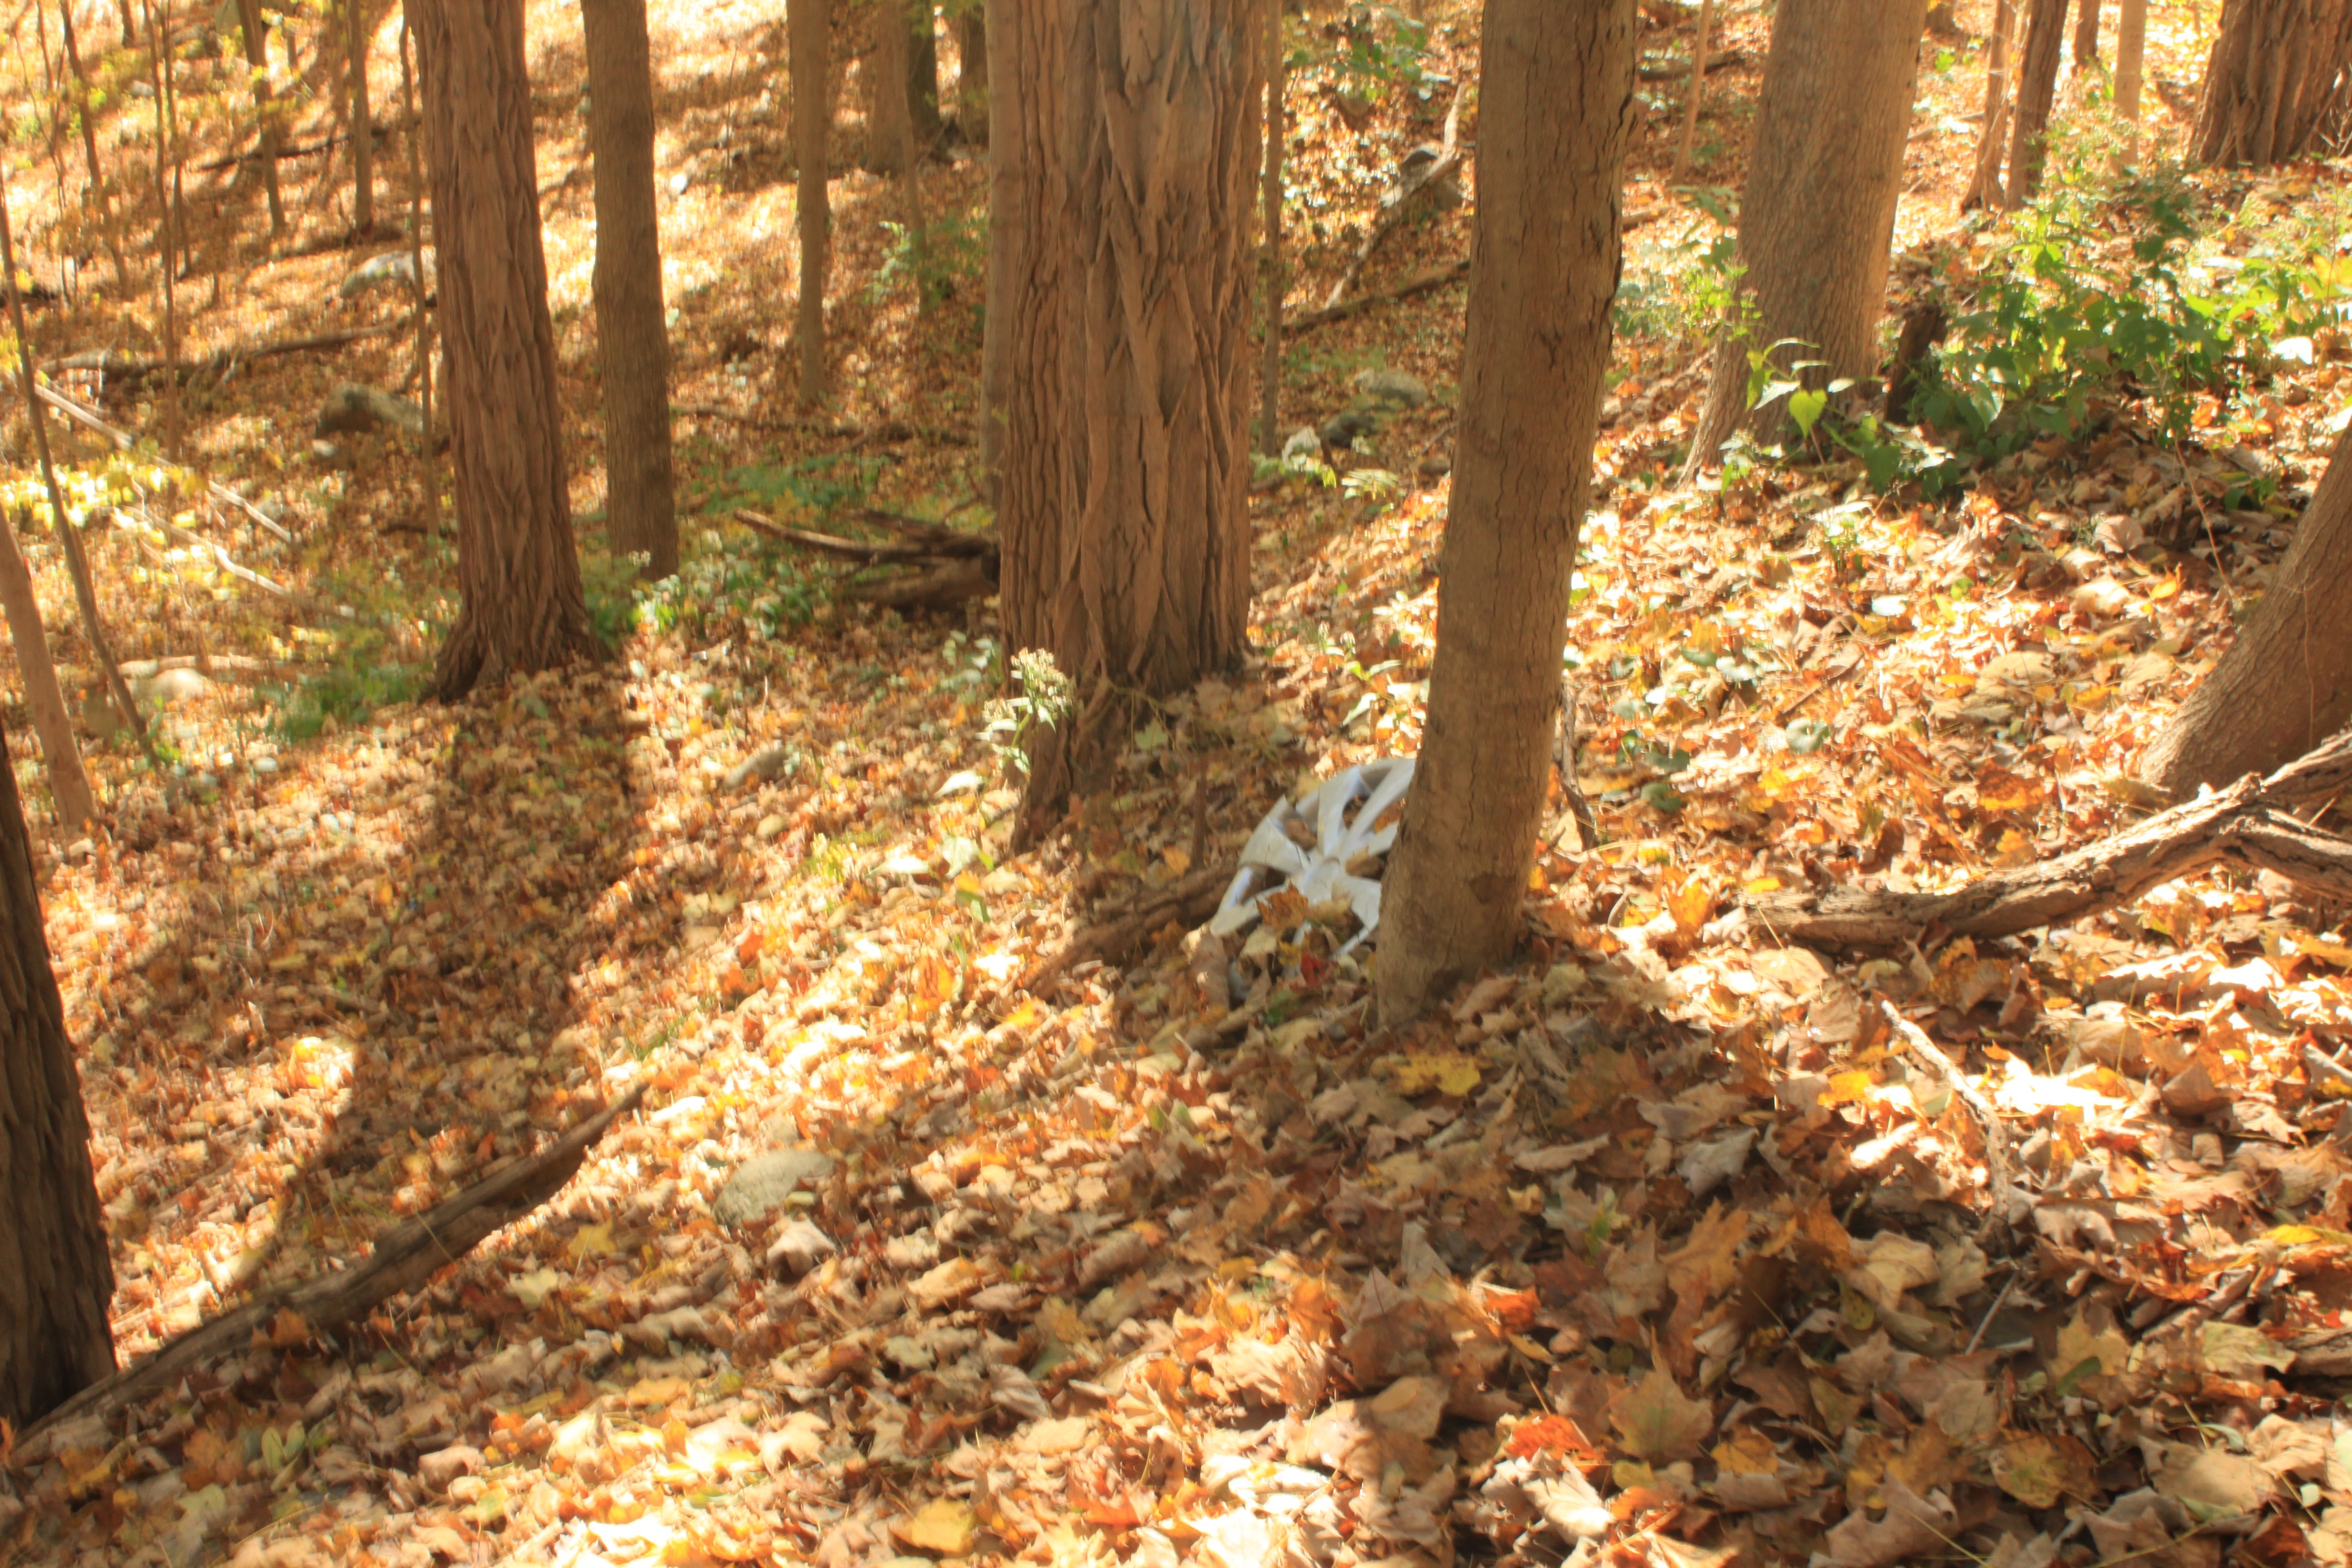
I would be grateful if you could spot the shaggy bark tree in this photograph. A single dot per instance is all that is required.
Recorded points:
(55, 1280)
(1817, 213)
(631, 337)
(517, 565)
(809, 24)
(2285, 683)
(2279, 72)
(1269, 371)
(1556, 113)
(1124, 516)
(2037, 89)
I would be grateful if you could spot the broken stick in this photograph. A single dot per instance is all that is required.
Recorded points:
(406, 1257)
(2246, 824)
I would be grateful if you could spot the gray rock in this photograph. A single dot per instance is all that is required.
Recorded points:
(765, 766)
(761, 1185)
(1302, 443)
(393, 268)
(352, 410)
(169, 685)
(1391, 390)
(1341, 431)
(799, 1248)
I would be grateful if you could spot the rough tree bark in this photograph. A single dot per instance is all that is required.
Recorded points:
(1006, 245)
(1125, 520)
(362, 120)
(632, 339)
(2279, 71)
(810, 25)
(2287, 680)
(889, 124)
(55, 1280)
(2037, 89)
(1817, 213)
(972, 112)
(1556, 113)
(2086, 36)
(517, 564)
(52, 720)
(257, 60)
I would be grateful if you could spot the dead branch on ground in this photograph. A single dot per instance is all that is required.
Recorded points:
(2246, 824)
(1188, 901)
(406, 1257)
(132, 367)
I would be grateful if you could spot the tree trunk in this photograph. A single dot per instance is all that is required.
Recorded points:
(52, 719)
(923, 77)
(1984, 182)
(1125, 515)
(2131, 52)
(1555, 117)
(889, 122)
(2280, 70)
(2037, 89)
(1006, 245)
(632, 339)
(1697, 89)
(517, 566)
(98, 187)
(971, 74)
(76, 563)
(2086, 36)
(159, 61)
(1270, 371)
(55, 1280)
(428, 484)
(2285, 683)
(257, 60)
(1817, 213)
(363, 122)
(810, 25)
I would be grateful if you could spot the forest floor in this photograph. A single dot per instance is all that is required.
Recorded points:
(1658, 1246)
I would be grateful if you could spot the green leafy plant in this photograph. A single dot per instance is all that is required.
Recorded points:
(1040, 699)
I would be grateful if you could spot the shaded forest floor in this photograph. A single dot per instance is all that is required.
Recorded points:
(1659, 1241)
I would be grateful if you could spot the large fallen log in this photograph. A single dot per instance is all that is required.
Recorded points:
(958, 566)
(406, 1257)
(2246, 824)
(135, 367)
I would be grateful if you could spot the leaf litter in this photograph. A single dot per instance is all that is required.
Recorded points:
(1668, 1245)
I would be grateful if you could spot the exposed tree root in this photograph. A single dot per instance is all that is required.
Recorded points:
(2246, 824)
(406, 1257)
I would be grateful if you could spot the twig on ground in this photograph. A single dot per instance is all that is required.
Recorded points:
(406, 1257)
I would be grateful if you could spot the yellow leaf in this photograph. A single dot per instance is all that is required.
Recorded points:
(591, 1241)
(1448, 1073)
(944, 1527)
(1847, 1088)
(1690, 903)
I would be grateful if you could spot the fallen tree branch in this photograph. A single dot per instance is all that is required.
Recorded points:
(1674, 70)
(1187, 900)
(128, 367)
(1396, 204)
(406, 1257)
(123, 442)
(941, 588)
(1419, 283)
(2245, 824)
